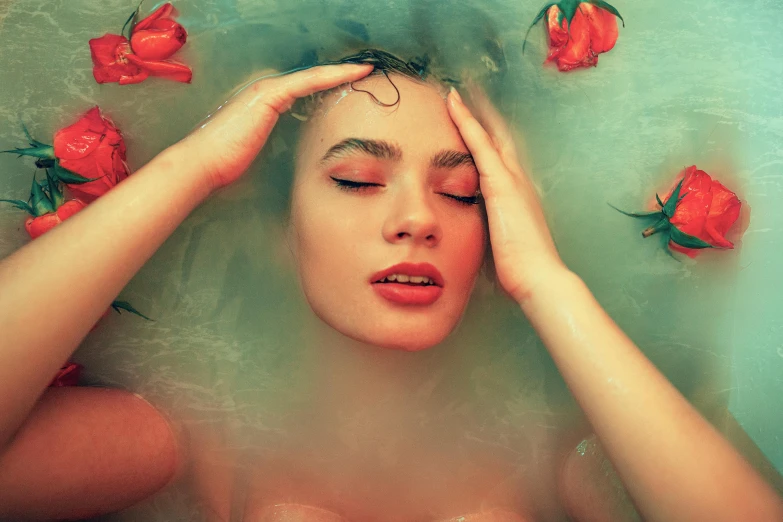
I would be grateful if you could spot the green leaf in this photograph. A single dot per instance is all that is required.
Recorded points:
(132, 21)
(45, 152)
(671, 203)
(21, 205)
(568, 7)
(68, 177)
(607, 7)
(662, 224)
(538, 18)
(55, 193)
(665, 238)
(33, 141)
(40, 202)
(637, 214)
(686, 240)
(658, 199)
(125, 305)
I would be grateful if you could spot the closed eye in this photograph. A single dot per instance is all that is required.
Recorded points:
(467, 200)
(347, 184)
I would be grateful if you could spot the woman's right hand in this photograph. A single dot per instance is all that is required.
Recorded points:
(228, 142)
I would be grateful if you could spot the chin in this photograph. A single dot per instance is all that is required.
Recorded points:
(403, 342)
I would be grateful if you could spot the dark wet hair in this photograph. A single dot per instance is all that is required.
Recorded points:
(385, 63)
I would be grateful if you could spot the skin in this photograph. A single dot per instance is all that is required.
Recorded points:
(407, 215)
(674, 465)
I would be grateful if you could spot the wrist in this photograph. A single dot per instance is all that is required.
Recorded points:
(180, 166)
(553, 280)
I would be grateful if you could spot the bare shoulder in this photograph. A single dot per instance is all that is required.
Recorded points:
(85, 451)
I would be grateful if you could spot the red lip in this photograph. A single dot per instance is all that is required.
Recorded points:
(406, 294)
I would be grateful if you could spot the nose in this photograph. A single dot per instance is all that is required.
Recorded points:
(412, 219)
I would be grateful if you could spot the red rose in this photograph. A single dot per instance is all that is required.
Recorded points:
(68, 375)
(110, 62)
(93, 148)
(158, 36)
(46, 206)
(36, 226)
(706, 210)
(697, 214)
(152, 41)
(579, 31)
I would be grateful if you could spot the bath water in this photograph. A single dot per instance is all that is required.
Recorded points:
(278, 407)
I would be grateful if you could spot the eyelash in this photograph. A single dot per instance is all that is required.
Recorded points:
(356, 186)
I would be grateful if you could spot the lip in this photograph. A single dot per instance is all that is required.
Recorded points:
(403, 294)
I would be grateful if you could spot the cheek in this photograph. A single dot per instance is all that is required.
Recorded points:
(324, 241)
(468, 247)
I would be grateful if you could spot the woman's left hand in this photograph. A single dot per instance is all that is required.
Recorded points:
(524, 252)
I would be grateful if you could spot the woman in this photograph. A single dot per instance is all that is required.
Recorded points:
(389, 237)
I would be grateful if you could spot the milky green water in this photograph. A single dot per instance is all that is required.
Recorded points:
(234, 355)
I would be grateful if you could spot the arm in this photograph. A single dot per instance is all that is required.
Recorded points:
(675, 465)
(120, 231)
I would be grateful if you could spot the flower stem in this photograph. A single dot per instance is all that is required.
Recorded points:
(663, 224)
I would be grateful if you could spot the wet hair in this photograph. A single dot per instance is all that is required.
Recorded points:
(385, 63)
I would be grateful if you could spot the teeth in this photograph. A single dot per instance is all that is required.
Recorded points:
(402, 278)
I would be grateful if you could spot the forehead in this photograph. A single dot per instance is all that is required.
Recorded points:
(420, 123)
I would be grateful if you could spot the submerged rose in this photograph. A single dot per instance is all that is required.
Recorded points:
(697, 214)
(47, 207)
(579, 31)
(68, 375)
(152, 42)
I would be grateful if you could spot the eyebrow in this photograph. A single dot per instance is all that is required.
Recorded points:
(451, 159)
(376, 148)
(386, 150)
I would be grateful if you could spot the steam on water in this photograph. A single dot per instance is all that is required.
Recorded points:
(236, 358)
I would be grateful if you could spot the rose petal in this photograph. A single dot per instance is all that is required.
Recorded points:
(171, 70)
(603, 28)
(81, 138)
(724, 211)
(577, 52)
(68, 375)
(164, 11)
(158, 44)
(109, 64)
(691, 212)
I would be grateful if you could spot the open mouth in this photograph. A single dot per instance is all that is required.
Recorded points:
(408, 280)
(410, 284)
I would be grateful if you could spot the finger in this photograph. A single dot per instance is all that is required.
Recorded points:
(504, 192)
(496, 127)
(495, 176)
(324, 77)
(280, 92)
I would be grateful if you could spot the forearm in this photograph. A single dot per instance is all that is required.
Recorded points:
(674, 464)
(55, 288)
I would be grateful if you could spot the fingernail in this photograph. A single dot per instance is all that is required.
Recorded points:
(455, 93)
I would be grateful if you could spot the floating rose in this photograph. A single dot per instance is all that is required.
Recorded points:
(152, 42)
(158, 36)
(88, 156)
(578, 31)
(697, 214)
(46, 206)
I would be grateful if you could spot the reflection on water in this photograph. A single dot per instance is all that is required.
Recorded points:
(286, 412)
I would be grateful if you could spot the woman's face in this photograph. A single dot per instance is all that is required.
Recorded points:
(386, 227)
